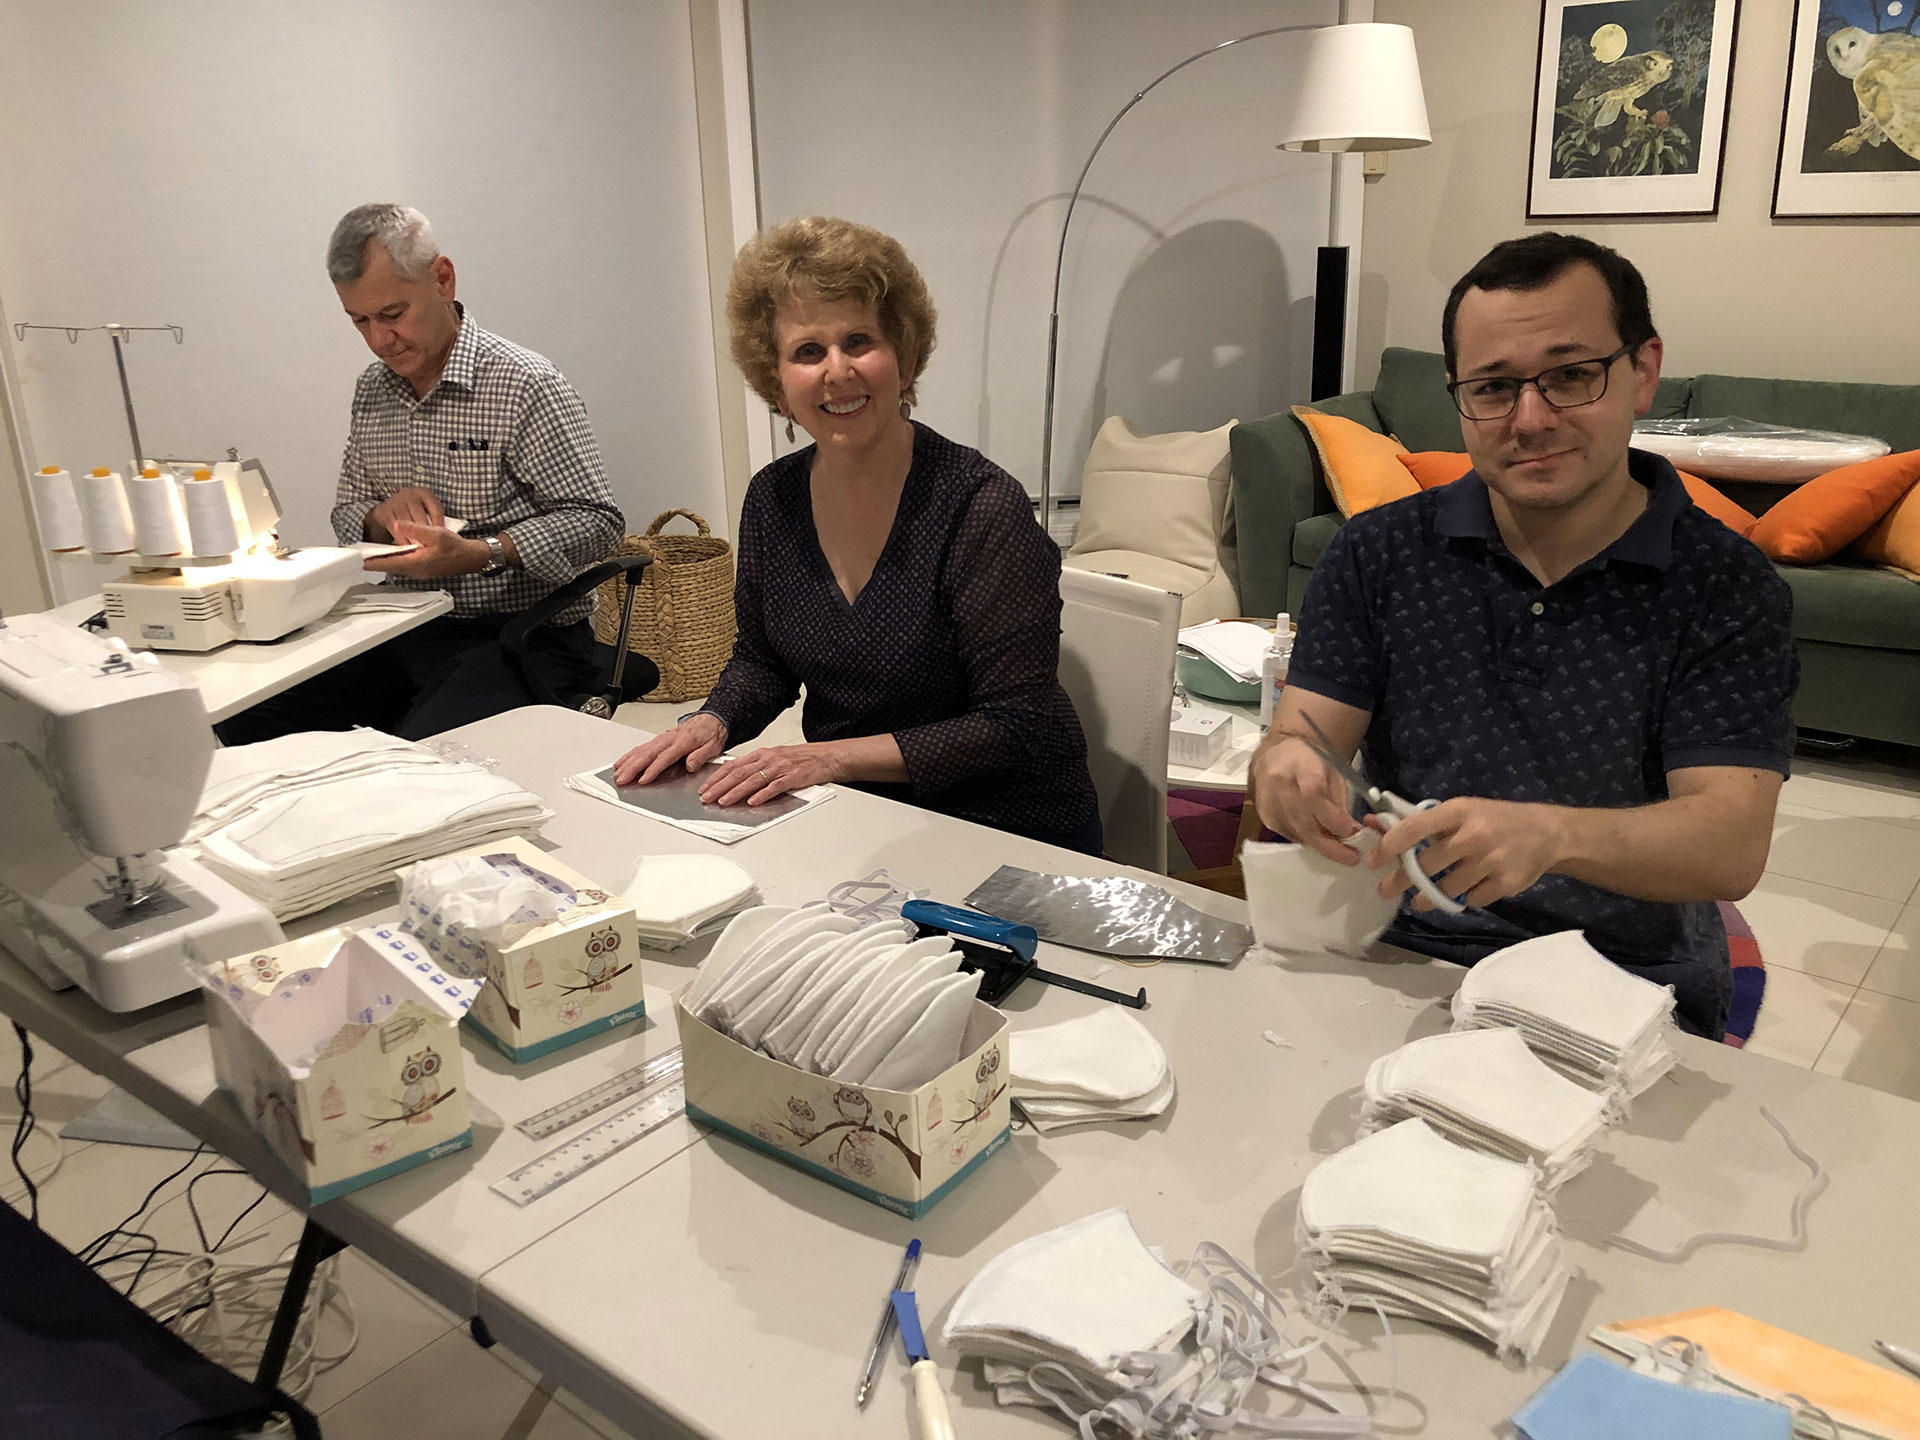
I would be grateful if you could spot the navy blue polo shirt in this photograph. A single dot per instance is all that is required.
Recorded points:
(1671, 648)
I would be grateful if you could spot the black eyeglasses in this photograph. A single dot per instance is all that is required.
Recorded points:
(1564, 387)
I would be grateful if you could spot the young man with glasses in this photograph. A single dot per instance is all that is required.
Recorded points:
(1591, 675)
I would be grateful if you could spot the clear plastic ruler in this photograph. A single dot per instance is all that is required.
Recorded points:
(588, 1148)
(627, 1083)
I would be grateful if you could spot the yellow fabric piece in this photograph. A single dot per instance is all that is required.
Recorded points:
(1772, 1363)
(1362, 467)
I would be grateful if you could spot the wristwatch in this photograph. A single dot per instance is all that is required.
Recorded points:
(496, 555)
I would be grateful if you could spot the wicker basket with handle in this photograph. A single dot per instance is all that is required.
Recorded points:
(682, 608)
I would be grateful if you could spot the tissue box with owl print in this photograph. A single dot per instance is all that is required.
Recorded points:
(560, 955)
(904, 1149)
(343, 1050)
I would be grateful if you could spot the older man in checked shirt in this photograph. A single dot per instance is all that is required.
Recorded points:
(451, 422)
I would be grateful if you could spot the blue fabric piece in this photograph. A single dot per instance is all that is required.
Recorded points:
(1595, 1399)
(1672, 648)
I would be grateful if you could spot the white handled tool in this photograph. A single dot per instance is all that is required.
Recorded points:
(1396, 809)
(928, 1396)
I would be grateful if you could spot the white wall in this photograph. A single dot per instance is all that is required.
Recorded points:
(1738, 294)
(959, 129)
(184, 163)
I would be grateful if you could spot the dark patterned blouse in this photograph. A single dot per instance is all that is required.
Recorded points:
(953, 646)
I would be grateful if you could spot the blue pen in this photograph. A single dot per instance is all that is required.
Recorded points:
(885, 1327)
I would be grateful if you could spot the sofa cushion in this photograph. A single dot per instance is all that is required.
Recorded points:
(1158, 494)
(1411, 396)
(1895, 540)
(1434, 468)
(1852, 605)
(1205, 594)
(1827, 514)
(1891, 412)
(1362, 467)
(1311, 538)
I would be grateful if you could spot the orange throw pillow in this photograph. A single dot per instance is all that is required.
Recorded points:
(1361, 465)
(1895, 541)
(1829, 512)
(1432, 468)
(1735, 517)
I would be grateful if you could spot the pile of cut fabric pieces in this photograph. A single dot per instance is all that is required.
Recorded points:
(306, 820)
(1088, 1321)
(861, 1002)
(1102, 1066)
(677, 898)
(1441, 1210)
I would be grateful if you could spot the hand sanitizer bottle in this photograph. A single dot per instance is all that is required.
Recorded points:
(1273, 669)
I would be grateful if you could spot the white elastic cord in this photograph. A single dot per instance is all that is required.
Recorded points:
(1816, 1182)
(877, 896)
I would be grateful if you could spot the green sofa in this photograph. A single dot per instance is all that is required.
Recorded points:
(1858, 628)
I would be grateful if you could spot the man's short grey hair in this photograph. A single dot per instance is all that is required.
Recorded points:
(402, 231)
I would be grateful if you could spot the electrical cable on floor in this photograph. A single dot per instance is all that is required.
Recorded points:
(26, 1124)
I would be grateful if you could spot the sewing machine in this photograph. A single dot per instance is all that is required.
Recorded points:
(103, 755)
(258, 593)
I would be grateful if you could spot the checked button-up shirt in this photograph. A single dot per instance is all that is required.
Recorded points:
(503, 441)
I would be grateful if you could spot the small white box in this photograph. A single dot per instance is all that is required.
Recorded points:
(1198, 738)
(905, 1150)
(549, 984)
(343, 1050)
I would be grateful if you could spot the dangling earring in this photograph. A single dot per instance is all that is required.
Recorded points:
(789, 429)
(906, 408)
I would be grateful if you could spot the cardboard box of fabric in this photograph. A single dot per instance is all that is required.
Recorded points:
(550, 983)
(902, 1149)
(343, 1050)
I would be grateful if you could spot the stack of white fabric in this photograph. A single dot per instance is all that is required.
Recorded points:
(1595, 1023)
(1431, 1230)
(306, 820)
(1103, 1066)
(863, 1003)
(678, 897)
(1486, 1090)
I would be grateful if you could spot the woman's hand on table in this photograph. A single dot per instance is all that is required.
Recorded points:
(693, 742)
(765, 775)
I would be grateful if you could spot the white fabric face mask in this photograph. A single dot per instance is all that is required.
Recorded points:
(358, 814)
(1487, 1089)
(800, 964)
(851, 989)
(898, 972)
(890, 1023)
(1089, 1292)
(767, 962)
(678, 892)
(1104, 1055)
(735, 944)
(1303, 903)
(931, 1045)
(1568, 984)
(850, 952)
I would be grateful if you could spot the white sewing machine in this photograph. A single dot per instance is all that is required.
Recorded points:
(258, 593)
(103, 755)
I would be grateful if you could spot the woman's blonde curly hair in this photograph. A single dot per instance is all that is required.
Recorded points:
(818, 257)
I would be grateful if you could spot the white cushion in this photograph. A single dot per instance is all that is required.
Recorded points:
(1205, 594)
(1165, 496)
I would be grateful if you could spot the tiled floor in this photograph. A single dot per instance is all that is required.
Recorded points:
(1837, 916)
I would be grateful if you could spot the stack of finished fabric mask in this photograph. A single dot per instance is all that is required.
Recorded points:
(865, 1004)
(1102, 1066)
(1486, 1090)
(1431, 1230)
(677, 897)
(1087, 1320)
(300, 822)
(1595, 1023)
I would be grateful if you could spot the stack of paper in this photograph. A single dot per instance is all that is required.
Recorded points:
(1430, 1230)
(1236, 646)
(1102, 1066)
(1578, 1011)
(866, 1004)
(1486, 1090)
(676, 897)
(301, 822)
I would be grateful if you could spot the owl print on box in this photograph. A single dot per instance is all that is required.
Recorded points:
(1850, 139)
(1630, 107)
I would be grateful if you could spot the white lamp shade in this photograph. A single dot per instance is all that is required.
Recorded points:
(1359, 90)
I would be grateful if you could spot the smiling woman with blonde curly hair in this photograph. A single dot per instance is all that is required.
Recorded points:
(900, 577)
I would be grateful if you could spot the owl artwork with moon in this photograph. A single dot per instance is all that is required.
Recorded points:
(1863, 105)
(1630, 93)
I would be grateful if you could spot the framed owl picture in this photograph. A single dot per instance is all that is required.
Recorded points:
(1630, 107)
(1850, 139)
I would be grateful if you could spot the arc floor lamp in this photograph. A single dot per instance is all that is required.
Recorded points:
(1359, 90)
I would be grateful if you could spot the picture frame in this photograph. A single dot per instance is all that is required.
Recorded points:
(1630, 108)
(1835, 162)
